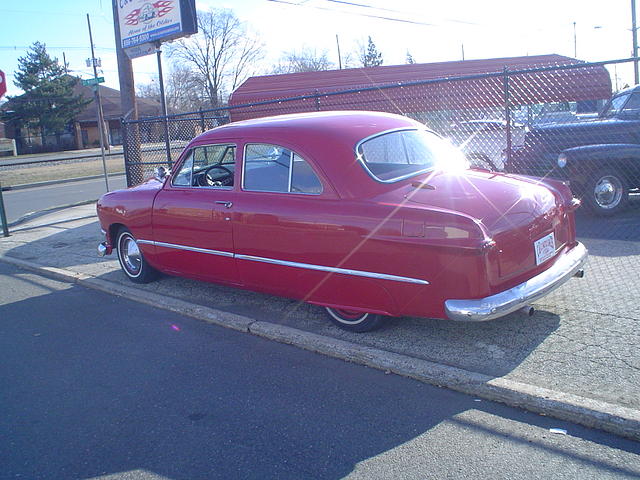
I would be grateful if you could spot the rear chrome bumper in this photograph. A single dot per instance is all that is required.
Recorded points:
(568, 265)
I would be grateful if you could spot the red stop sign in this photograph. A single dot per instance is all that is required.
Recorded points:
(3, 84)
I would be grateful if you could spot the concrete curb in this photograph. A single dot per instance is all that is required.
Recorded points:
(584, 411)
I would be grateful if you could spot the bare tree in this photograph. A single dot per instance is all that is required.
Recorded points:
(183, 90)
(148, 90)
(304, 60)
(223, 54)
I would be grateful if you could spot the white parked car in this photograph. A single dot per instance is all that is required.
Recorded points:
(485, 141)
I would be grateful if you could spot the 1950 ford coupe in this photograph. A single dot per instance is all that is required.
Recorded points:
(367, 214)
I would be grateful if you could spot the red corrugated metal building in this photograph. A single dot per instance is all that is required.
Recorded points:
(317, 89)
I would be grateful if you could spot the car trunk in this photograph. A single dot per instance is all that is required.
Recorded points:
(515, 213)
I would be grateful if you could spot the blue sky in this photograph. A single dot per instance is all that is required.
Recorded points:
(489, 28)
(62, 25)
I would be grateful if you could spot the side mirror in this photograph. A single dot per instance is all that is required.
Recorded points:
(160, 173)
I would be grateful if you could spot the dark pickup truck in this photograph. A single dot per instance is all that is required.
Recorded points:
(600, 157)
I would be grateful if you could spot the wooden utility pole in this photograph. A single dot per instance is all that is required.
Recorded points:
(132, 152)
(125, 73)
(96, 91)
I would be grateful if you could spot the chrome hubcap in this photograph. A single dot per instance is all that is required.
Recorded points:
(348, 317)
(130, 255)
(608, 192)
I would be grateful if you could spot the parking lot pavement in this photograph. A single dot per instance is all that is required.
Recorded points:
(580, 347)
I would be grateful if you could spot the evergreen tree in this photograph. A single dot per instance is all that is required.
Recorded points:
(48, 103)
(410, 60)
(371, 58)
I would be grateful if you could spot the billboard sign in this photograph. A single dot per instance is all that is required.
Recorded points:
(151, 21)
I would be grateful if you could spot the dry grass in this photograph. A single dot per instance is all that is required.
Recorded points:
(59, 171)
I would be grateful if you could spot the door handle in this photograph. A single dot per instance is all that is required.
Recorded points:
(226, 204)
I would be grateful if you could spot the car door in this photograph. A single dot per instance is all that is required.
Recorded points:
(192, 215)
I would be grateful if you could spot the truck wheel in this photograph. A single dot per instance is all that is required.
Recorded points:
(606, 192)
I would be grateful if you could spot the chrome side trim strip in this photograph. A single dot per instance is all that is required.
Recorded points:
(184, 247)
(308, 266)
(344, 271)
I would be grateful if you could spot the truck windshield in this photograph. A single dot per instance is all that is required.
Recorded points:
(615, 105)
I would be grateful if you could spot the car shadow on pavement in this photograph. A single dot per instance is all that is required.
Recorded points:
(96, 385)
(493, 348)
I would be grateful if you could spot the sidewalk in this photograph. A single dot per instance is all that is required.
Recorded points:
(576, 359)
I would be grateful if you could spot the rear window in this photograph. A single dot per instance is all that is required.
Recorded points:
(396, 155)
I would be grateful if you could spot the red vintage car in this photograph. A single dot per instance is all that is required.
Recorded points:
(366, 214)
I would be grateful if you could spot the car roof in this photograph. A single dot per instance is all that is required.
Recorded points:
(329, 138)
(635, 88)
(348, 127)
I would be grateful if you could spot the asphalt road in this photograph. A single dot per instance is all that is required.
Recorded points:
(21, 202)
(94, 386)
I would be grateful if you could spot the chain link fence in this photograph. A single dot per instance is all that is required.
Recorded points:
(158, 141)
(517, 121)
(556, 121)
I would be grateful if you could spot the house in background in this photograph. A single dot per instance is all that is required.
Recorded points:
(82, 131)
(86, 122)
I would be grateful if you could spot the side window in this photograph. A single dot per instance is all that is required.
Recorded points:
(271, 168)
(303, 178)
(183, 177)
(208, 166)
(633, 105)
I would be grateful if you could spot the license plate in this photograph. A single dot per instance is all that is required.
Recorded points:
(545, 248)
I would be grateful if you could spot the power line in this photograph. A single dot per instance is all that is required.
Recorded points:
(344, 2)
(379, 17)
(381, 9)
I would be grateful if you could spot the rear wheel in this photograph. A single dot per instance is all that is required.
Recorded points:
(355, 321)
(606, 192)
(131, 259)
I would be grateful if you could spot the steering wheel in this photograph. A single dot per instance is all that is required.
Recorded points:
(207, 180)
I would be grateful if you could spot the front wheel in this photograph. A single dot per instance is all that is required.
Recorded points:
(606, 193)
(355, 321)
(131, 259)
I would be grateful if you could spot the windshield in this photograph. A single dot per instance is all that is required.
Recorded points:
(396, 155)
(615, 105)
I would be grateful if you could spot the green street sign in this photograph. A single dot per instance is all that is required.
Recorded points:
(92, 81)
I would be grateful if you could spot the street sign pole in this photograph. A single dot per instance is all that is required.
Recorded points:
(163, 102)
(99, 106)
(3, 216)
